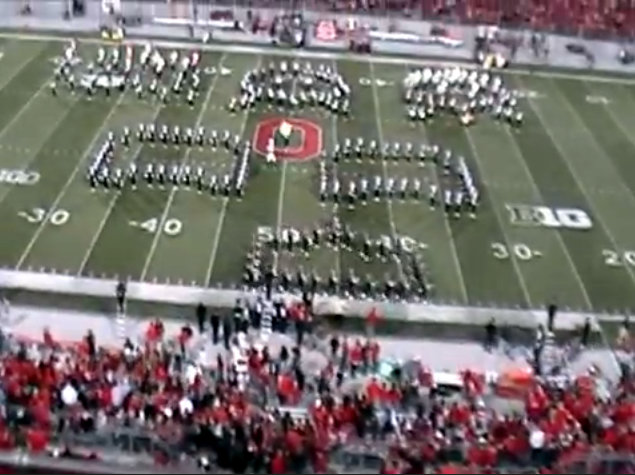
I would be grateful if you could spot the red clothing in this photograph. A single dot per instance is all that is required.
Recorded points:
(36, 440)
(482, 456)
(293, 440)
(278, 464)
(356, 353)
(320, 462)
(373, 351)
(373, 317)
(374, 391)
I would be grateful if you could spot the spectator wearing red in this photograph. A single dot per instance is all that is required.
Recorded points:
(373, 353)
(482, 454)
(37, 439)
(278, 463)
(390, 468)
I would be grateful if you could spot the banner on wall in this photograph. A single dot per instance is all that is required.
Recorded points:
(326, 30)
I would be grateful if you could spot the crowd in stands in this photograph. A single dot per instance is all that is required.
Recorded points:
(600, 18)
(594, 17)
(250, 406)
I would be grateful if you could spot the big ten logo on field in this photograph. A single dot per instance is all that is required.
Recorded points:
(553, 218)
(18, 177)
(305, 142)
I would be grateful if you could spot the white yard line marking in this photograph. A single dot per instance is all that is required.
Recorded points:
(111, 206)
(448, 230)
(583, 126)
(68, 183)
(578, 75)
(25, 166)
(627, 133)
(186, 156)
(534, 187)
(494, 206)
(600, 151)
(335, 209)
(283, 186)
(25, 107)
(21, 67)
(391, 216)
(575, 176)
(223, 211)
(453, 251)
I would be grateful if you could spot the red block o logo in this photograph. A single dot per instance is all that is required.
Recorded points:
(310, 138)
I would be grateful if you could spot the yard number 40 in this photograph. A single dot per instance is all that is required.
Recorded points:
(171, 227)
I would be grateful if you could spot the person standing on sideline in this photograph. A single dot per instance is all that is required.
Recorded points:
(201, 315)
(586, 332)
(552, 309)
(120, 293)
(491, 334)
(227, 331)
(214, 320)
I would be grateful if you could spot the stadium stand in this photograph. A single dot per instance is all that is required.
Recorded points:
(594, 18)
(330, 405)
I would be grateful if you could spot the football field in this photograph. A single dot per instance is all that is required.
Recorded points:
(556, 222)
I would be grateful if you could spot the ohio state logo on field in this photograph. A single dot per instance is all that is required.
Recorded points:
(305, 142)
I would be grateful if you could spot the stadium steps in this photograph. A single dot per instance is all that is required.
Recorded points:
(551, 358)
(266, 325)
(121, 326)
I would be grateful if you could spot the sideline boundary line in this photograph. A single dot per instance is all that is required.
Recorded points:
(325, 55)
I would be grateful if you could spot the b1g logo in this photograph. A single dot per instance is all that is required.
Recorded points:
(18, 177)
(553, 218)
(305, 142)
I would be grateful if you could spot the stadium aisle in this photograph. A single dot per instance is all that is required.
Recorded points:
(72, 326)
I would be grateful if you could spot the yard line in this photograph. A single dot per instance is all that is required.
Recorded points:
(283, 185)
(335, 209)
(446, 222)
(608, 159)
(574, 174)
(24, 107)
(532, 181)
(4, 193)
(521, 278)
(111, 206)
(186, 156)
(68, 183)
(223, 211)
(592, 138)
(391, 216)
(627, 133)
(20, 68)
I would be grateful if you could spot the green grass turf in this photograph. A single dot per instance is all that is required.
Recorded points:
(569, 153)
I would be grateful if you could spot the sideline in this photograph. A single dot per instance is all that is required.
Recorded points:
(325, 55)
(51, 283)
